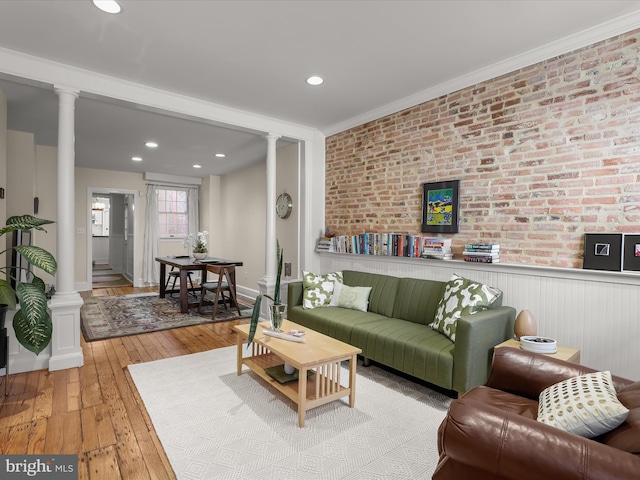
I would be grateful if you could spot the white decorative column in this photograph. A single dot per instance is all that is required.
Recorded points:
(66, 351)
(267, 283)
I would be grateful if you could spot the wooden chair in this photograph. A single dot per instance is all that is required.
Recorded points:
(224, 283)
(175, 275)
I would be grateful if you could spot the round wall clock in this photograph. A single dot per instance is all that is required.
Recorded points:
(284, 204)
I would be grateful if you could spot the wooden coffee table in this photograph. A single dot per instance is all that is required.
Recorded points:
(319, 353)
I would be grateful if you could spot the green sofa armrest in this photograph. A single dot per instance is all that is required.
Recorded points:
(294, 294)
(476, 336)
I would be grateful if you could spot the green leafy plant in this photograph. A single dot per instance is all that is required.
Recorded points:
(255, 316)
(32, 322)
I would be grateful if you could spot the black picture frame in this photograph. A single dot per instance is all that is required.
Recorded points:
(602, 251)
(441, 207)
(631, 252)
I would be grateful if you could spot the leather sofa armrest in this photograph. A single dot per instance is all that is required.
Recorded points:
(476, 335)
(500, 443)
(527, 374)
(294, 294)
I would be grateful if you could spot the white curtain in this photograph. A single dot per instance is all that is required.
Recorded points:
(150, 268)
(194, 226)
(192, 206)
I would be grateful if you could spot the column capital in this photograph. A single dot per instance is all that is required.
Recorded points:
(59, 89)
(272, 136)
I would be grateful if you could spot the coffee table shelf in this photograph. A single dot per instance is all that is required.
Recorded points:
(321, 354)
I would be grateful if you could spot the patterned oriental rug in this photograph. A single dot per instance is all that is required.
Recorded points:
(119, 316)
(214, 424)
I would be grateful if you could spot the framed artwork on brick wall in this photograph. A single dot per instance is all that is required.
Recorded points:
(603, 251)
(631, 252)
(440, 206)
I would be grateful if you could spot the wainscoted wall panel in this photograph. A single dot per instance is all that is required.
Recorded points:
(597, 312)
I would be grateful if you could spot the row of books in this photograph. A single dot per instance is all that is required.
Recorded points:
(389, 244)
(482, 252)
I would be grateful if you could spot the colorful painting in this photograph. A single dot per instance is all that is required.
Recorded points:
(440, 206)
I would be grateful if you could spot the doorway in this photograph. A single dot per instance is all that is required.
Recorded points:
(111, 243)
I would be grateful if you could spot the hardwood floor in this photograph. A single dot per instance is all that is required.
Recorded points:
(95, 411)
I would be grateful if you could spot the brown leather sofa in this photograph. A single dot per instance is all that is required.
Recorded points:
(491, 433)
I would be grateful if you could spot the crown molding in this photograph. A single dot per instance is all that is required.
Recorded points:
(565, 45)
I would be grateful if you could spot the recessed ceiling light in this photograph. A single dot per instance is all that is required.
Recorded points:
(108, 6)
(151, 145)
(197, 166)
(220, 155)
(136, 159)
(315, 80)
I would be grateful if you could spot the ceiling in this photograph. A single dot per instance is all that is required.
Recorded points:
(255, 56)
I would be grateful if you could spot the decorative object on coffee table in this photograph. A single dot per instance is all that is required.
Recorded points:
(277, 309)
(276, 316)
(525, 324)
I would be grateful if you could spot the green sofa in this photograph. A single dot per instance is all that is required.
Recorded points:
(395, 332)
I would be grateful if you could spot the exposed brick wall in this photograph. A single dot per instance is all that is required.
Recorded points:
(544, 155)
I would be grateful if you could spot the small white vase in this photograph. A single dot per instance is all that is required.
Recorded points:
(200, 255)
(288, 368)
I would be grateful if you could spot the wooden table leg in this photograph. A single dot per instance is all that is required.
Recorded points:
(302, 396)
(352, 380)
(239, 354)
(163, 280)
(184, 291)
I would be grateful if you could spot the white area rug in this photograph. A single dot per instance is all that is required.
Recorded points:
(215, 424)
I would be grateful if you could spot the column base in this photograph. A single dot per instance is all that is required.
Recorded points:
(66, 351)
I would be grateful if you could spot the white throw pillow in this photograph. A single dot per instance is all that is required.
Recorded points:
(337, 286)
(586, 405)
(355, 298)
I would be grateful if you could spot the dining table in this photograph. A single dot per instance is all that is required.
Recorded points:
(185, 264)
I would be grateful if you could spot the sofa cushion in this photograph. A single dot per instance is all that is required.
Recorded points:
(355, 298)
(318, 288)
(586, 405)
(409, 347)
(627, 436)
(417, 300)
(383, 289)
(335, 322)
(461, 297)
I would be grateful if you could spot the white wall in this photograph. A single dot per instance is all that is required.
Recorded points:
(287, 229)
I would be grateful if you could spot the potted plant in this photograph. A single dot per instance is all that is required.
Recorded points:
(200, 247)
(276, 309)
(32, 322)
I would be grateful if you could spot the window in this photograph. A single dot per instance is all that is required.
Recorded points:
(174, 213)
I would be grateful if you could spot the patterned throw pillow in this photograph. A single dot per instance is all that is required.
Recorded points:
(461, 297)
(586, 405)
(318, 288)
